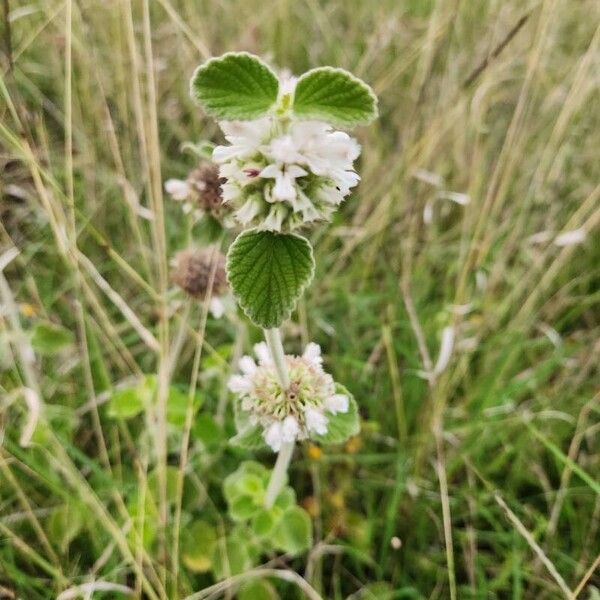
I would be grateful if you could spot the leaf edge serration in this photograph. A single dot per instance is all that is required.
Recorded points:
(206, 64)
(246, 307)
(340, 123)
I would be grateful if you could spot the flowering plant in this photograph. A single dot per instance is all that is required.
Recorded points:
(285, 167)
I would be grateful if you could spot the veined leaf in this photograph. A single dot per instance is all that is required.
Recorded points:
(268, 272)
(335, 96)
(235, 86)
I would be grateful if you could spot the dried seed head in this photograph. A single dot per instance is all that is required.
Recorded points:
(205, 188)
(193, 269)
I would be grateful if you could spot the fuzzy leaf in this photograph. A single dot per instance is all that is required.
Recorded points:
(334, 96)
(268, 272)
(230, 557)
(197, 546)
(235, 86)
(342, 425)
(294, 531)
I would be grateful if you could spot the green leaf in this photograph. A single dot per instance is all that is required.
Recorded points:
(231, 557)
(268, 272)
(242, 481)
(342, 425)
(207, 430)
(235, 86)
(243, 508)
(126, 403)
(294, 531)
(257, 589)
(177, 405)
(334, 96)
(198, 545)
(49, 338)
(66, 521)
(263, 522)
(172, 475)
(286, 498)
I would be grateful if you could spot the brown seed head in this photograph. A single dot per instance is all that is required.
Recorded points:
(205, 188)
(193, 269)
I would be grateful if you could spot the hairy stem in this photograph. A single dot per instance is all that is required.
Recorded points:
(273, 338)
(278, 474)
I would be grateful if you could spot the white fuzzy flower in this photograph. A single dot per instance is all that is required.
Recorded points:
(312, 353)
(315, 421)
(243, 138)
(239, 384)
(338, 403)
(273, 436)
(216, 307)
(290, 429)
(285, 176)
(177, 188)
(282, 173)
(297, 412)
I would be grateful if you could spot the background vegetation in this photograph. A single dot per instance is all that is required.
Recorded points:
(479, 482)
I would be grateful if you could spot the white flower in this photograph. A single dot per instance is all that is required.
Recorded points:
(285, 179)
(247, 365)
(297, 412)
(273, 435)
(243, 137)
(282, 173)
(262, 352)
(216, 307)
(338, 403)
(177, 188)
(290, 429)
(239, 384)
(315, 421)
(312, 353)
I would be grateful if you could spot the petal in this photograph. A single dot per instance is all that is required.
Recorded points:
(239, 384)
(270, 171)
(247, 365)
(275, 218)
(273, 436)
(177, 188)
(290, 429)
(284, 187)
(223, 154)
(217, 308)
(295, 171)
(248, 211)
(338, 403)
(316, 421)
(312, 353)
(262, 352)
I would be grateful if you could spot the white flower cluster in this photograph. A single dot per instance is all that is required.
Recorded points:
(293, 413)
(282, 173)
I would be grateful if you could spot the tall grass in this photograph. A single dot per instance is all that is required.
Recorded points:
(476, 480)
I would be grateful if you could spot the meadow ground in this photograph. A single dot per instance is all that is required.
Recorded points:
(476, 221)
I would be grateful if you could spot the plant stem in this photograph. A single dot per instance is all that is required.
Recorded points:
(273, 338)
(278, 474)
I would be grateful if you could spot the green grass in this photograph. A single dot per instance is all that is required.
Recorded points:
(480, 483)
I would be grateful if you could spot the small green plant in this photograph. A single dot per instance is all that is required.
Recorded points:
(284, 169)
